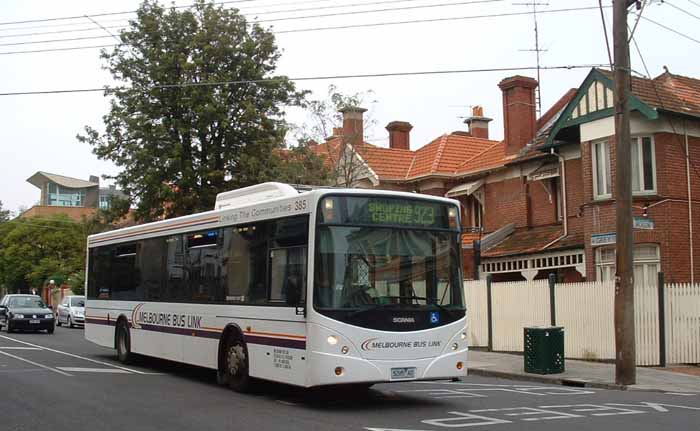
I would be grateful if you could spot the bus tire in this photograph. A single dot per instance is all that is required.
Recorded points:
(235, 364)
(123, 342)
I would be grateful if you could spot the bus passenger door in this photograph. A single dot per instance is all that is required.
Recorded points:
(284, 356)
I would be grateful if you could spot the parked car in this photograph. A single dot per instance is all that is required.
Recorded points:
(25, 312)
(71, 311)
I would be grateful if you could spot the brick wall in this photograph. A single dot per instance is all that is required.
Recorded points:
(505, 204)
(668, 208)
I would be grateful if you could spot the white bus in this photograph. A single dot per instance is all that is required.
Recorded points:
(306, 287)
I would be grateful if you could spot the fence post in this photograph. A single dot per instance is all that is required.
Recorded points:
(662, 321)
(552, 305)
(489, 313)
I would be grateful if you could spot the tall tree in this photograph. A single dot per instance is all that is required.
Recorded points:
(179, 139)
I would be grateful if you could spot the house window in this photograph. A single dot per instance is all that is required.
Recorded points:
(104, 202)
(476, 212)
(643, 165)
(65, 197)
(556, 195)
(602, 179)
(647, 264)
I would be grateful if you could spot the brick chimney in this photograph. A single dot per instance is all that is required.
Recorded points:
(478, 124)
(353, 124)
(399, 134)
(518, 112)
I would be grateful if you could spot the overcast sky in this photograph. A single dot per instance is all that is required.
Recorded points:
(38, 131)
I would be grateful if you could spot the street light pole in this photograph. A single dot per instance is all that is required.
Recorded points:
(625, 355)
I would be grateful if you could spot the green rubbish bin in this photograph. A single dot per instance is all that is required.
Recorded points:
(544, 349)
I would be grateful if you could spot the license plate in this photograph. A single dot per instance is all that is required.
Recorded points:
(33, 322)
(403, 373)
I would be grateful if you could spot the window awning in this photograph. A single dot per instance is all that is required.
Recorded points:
(548, 170)
(465, 189)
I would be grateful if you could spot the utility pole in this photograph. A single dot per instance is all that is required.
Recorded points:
(625, 352)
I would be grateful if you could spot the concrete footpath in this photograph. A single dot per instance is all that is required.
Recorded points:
(580, 373)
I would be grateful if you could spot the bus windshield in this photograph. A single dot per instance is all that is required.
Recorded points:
(364, 270)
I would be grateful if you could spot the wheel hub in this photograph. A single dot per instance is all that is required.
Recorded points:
(235, 359)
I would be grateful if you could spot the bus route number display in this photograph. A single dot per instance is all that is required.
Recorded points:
(400, 213)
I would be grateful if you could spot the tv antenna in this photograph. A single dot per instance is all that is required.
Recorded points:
(537, 51)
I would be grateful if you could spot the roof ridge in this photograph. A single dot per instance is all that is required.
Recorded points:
(438, 153)
(413, 162)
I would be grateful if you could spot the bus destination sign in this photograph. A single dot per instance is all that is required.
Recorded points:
(402, 213)
(388, 212)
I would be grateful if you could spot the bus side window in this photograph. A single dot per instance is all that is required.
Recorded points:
(150, 265)
(203, 264)
(288, 275)
(176, 279)
(245, 279)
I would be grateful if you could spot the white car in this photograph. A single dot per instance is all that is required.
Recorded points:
(71, 311)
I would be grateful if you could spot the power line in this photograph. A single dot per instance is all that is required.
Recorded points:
(605, 31)
(311, 78)
(694, 2)
(243, 12)
(70, 24)
(431, 6)
(670, 29)
(95, 15)
(682, 10)
(368, 25)
(70, 48)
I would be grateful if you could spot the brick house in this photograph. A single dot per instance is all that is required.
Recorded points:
(541, 201)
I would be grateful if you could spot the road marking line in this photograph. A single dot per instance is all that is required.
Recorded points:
(36, 364)
(92, 370)
(684, 394)
(76, 356)
(18, 348)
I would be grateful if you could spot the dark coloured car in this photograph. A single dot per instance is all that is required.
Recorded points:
(25, 312)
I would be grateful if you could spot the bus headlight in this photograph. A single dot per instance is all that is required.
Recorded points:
(345, 350)
(452, 217)
(455, 346)
(332, 340)
(463, 336)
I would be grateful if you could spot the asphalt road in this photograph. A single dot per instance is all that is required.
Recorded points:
(62, 382)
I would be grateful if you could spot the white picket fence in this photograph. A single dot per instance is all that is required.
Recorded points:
(586, 311)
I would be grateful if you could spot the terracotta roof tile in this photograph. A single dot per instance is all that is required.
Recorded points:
(490, 158)
(524, 241)
(533, 240)
(667, 91)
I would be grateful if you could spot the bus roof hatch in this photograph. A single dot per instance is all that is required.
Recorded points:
(253, 194)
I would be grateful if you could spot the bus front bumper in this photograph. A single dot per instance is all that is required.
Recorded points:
(333, 369)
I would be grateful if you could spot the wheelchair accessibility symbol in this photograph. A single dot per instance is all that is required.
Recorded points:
(434, 317)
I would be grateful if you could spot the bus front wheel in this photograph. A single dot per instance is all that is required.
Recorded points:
(235, 365)
(123, 343)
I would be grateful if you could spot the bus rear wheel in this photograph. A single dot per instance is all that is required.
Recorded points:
(235, 365)
(123, 343)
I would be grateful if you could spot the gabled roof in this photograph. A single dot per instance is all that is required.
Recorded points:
(667, 92)
(40, 178)
(447, 153)
(442, 156)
